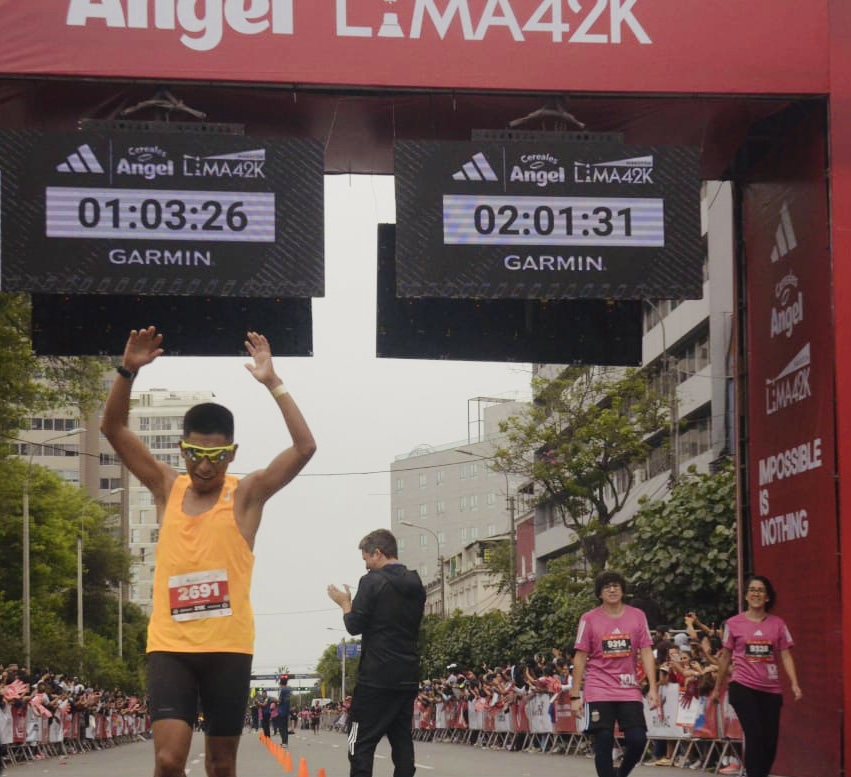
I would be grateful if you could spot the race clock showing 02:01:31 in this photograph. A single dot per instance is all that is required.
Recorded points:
(553, 221)
(151, 214)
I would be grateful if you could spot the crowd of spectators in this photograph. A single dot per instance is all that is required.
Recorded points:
(686, 656)
(45, 701)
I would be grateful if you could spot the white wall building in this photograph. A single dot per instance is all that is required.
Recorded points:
(456, 503)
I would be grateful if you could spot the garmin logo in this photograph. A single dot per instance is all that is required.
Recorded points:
(150, 162)
(637, 170)
(202, 24)
(162, 257)
(553, 263)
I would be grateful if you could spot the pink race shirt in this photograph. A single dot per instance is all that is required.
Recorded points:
(756, 650)
(612, 645)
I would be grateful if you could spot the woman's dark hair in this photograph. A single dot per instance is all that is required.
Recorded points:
(605, 579)
(208, 418)
(771, 596)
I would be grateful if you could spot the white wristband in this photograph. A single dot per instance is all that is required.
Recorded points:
(279, 391)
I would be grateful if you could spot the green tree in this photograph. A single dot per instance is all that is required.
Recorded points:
(580, 442)
(682, 553)
(29, 383)
(330, 668)
(59, 511)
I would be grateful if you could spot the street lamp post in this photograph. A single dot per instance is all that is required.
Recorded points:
(25, 541)
(439, 563)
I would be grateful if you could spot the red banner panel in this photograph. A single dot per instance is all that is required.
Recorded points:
(791, 461)
(726, 46)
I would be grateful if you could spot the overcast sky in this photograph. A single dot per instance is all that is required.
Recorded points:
(363, 412)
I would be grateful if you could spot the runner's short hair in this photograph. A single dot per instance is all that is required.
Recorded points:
(208, 418)
(380, 539)
(608, 577)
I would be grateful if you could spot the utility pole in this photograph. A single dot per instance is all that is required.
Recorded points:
(512, 544)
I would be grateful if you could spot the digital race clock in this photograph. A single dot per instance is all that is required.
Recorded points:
(161, 213)
(547, 220)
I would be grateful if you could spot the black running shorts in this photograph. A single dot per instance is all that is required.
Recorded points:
(177, 682)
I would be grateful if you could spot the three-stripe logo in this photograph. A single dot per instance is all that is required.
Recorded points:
(477, 169)
(83, 160)
(784, 238)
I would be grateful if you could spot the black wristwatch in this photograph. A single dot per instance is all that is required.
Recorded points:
(125, 373)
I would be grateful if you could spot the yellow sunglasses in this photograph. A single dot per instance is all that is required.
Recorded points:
(196, 453)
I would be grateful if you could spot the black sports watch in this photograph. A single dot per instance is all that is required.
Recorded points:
(125, 373)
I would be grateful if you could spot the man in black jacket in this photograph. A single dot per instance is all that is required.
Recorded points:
(386, 611)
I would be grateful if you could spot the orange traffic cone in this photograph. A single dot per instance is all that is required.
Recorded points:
(288, 761)
(320, 773)
(302, 768)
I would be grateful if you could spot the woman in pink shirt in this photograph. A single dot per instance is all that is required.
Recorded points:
(756, 642)
(611, 641)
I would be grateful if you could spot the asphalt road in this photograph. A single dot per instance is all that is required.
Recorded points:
(327, 750)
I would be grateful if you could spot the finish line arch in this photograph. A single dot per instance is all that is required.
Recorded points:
(762, 89)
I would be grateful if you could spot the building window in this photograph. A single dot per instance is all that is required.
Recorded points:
(400, 514)
(464, 533)
(474, 532)
(400, 484)
(400, 542)
(462, 471)
(440, 507)
(491, 530)
(424, 540)
(441, 538)
(474, 501)
(155, 535)
(440, 476)
(491, 499)
(423, 511)
(462, 503)
(474, 469)
(423, 480)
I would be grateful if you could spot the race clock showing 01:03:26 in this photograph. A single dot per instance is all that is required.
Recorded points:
(565, 221)
(150, 214)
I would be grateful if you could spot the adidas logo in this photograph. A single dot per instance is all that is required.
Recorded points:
(784, 238)
(83, 160)
(477, 169)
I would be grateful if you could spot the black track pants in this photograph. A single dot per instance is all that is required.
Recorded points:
(378, 712)
(759, 714)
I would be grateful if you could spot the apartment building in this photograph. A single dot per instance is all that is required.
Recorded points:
(449, 507)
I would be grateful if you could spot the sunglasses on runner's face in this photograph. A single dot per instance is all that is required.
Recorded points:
(196, 453)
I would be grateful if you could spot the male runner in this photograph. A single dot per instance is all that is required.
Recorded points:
(201, 631)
